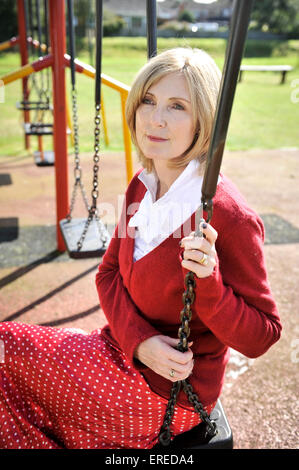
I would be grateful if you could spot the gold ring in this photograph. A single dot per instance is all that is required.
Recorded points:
(204, 260)
(171, 373)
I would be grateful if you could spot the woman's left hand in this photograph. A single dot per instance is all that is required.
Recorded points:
(199, 254)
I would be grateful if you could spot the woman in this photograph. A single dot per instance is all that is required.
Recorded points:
(110, 388)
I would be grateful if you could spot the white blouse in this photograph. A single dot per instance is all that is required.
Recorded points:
(156, 220)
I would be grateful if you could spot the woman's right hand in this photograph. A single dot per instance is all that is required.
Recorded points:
(158, 354)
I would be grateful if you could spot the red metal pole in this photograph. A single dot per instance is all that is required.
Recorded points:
(57, 41)
(24, 59)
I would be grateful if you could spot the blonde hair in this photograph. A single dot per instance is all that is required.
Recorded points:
(203, 80)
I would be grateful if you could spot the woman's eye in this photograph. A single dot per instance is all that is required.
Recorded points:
(147, 100)
(178, 106)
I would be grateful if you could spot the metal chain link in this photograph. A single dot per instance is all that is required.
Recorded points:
(183, 334)
(193, 398)
(93, 211)
(165, 434)
(77, 169)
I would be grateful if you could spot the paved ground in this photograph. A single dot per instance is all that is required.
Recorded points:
(40, 285)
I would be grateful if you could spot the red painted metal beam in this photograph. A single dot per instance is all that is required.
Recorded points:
(24, 60)
(57, 41)
(43, 62)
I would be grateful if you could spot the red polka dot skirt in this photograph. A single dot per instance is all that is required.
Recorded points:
(64, 388)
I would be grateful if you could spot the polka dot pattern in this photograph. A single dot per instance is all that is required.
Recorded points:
(64, 388)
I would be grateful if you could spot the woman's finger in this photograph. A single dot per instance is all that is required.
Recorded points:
(201, 271)
(197, 244)
(210, 234)
(174, 372)
(200, 256)
(177, 356)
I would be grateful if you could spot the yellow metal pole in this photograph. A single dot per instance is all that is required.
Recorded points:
(5, 45)
(127, 138)
(27, 69)
(10, 43)
(17, 74)
(104, 120)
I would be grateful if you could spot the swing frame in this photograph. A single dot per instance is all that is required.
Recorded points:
(41, 106)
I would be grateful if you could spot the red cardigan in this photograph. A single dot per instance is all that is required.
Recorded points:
(233, 307)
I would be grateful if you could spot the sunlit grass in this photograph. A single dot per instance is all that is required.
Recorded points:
(263, 114)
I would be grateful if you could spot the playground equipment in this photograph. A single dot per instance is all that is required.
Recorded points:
(39, 98)
(85, 238)
(58, 60)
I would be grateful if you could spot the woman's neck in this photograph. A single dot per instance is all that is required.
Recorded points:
(166, 176)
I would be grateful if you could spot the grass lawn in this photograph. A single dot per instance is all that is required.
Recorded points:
(263, 115)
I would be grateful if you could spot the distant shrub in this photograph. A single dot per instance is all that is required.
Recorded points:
(258, 48)
(174, 26)
(186, 15)
(266, 48)
(112, 24)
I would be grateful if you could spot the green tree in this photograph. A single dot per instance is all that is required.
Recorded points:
(276, 16)
(82, 14)
(8, 20)
(186, 15)
(112, 24)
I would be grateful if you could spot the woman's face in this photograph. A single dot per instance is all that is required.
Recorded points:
(164, 120)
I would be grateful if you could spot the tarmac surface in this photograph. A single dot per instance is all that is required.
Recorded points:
(42, 286)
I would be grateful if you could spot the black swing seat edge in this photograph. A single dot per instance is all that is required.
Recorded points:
(39, 133)
(44, 163)
(196, 438)
(38, 129)
(45, 158)
(33, 106)
(71, 233)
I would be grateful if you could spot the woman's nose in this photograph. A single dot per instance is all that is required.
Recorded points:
(158, 117)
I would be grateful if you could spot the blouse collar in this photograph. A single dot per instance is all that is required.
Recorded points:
(156, 220)
(150, 179)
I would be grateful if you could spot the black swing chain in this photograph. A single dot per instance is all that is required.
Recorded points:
(183, 334)
(93, 211)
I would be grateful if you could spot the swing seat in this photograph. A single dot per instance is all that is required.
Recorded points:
(33, 106)
(44, 158)
(38, 129)
(196, 439)
(93, 246)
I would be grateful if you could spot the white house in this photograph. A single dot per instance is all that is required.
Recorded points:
(134, 12)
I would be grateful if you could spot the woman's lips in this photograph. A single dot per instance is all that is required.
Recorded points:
(154, 138)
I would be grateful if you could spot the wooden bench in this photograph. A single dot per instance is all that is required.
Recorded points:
(283, 69)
